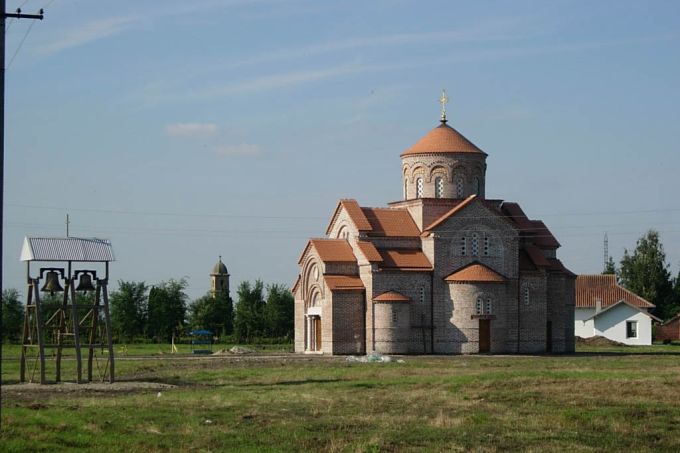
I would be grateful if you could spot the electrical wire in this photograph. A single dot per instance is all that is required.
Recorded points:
(16, 52)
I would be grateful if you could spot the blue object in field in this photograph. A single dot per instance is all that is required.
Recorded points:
(201, 337)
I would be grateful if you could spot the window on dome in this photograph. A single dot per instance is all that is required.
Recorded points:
(459, 188)
(475, 245)
(479, 306)
(419, 188)
(439, 187)
(405, 189)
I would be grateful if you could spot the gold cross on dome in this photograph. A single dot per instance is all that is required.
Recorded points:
(443, 100)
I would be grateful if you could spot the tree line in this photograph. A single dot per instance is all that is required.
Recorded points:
(646, 272)
(160, 312)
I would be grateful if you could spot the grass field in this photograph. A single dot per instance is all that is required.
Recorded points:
(603, 399)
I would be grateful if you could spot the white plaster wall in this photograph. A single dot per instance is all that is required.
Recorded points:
(583, 328)
(612, 324)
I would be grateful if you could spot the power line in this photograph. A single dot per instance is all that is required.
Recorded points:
(16, 52)
(243, 216)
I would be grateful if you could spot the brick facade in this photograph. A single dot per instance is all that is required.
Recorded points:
(528, 307)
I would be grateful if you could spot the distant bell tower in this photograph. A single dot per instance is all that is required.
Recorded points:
(219, 279)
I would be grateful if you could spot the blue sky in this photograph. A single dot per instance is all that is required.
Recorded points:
(187, 130)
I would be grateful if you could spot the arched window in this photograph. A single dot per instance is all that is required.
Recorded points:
(475, 245)
(487, 246)
(526, 295)
(463, 246)
(419, 188)
(460, 192)
(405, 189)
(314, 302)
(438, 187)
(479, 306)
(478, 186)
(487, 308)
(343, 232)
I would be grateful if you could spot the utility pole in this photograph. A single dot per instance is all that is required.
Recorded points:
(3, 16)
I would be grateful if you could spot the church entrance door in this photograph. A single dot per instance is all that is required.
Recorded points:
(484, 335)
(317, 333)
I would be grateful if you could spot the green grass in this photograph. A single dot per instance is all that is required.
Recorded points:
(601, 400)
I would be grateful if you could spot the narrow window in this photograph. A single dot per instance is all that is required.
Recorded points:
(631, 329)
(459, 188)
(463, 246)
(422, 294)
(527, 301)
(439, 187)
(479, 306)
(419, 188)
(487, 245)
(478, 186)
(487, 309)
(395, 318)
(475, 245)
(405, 189)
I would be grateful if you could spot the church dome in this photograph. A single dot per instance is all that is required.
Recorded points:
(220, 268)
(443, 139)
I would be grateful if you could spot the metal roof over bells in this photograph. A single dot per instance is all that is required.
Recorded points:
(67, 249)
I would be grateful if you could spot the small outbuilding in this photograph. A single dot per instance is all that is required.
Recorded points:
(669, 330)
(603, 308)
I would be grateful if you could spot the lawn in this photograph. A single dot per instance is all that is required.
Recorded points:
(603, 399)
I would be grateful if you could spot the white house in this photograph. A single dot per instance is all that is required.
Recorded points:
(604, 308)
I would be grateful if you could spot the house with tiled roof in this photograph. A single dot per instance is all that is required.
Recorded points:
(442, 271)
(604, 308)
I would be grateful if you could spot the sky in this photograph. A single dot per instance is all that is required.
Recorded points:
(183, 131)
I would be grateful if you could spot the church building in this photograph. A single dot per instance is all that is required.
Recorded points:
(443, 271)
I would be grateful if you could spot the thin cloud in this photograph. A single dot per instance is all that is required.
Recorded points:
(244, 149)
(92, 31)
(191, 129)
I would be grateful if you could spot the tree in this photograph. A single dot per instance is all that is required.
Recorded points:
(128, 309)
(212, 313)
(12, 315)
(279, 311)
(645, 273)
(610, 267)
(166, 310)
(249, 311)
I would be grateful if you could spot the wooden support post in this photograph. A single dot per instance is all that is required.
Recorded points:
(93, 332)
(25, 335)
(76, 333)
(109, 339)
(39, 330)
(61, 333)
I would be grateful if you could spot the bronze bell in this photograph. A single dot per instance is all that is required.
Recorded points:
(85, 283)
(52, 283)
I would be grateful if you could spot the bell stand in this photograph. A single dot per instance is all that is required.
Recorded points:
(65, 323)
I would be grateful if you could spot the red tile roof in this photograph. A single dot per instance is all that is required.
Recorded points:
(391, 296)
(542, 235)
(369, 251)
(390, 222)
(405, 259)
(443, 139)
(475, 272)
(590, 288)
(331, 250)
(448, 214)
(557, 266)
(295, 285)
(536, 255)
(354, 212)
(343, 283)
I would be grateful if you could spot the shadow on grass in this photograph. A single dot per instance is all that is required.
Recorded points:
(298, 382)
